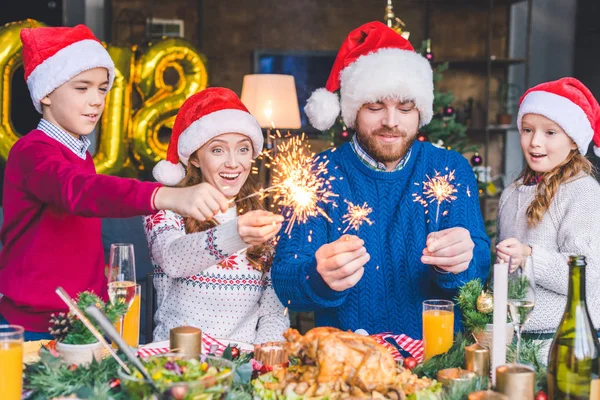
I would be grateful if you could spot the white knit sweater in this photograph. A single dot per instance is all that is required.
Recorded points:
(205, 280)
(571, 226)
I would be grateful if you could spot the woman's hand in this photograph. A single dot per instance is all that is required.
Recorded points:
(258, 226)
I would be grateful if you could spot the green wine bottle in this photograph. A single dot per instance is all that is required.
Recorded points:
(574, 361)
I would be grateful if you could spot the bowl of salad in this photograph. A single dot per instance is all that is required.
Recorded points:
(204, 378)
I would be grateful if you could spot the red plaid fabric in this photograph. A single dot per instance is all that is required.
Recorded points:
(209, 345)
(412, 346)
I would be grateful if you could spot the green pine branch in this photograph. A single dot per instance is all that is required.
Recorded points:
(79, 333)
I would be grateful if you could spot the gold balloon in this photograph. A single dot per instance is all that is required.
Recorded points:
(161, 101)
(10, 61)
(113, 141)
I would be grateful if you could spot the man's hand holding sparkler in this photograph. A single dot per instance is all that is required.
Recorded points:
(450, 250)
(258, 226)
(341, 263)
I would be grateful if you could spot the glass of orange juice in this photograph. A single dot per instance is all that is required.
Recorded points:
(438, 327)
(131, 325)
(11, 361)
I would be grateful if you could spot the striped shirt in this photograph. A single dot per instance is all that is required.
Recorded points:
(371, 162)
(77, 146)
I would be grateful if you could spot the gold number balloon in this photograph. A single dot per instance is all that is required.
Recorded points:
(10, 61)
(161, 101)
(113, 142)
(122, 138)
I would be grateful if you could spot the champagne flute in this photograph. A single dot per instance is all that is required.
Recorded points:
(121, 276)
(521, 296)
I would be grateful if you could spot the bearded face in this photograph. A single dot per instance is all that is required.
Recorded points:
(387, 129)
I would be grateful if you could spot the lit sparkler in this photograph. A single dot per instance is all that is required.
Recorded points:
(299, 182)
(356, 216)
(437, 189)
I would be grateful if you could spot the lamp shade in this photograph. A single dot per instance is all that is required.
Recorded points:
(272, 100)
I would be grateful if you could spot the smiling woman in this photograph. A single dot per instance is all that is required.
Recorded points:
(225, 162)
(215, 274)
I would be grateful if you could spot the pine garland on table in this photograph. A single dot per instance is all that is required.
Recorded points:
(50, 378)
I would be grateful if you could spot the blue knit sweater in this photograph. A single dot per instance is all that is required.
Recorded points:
(389, 296)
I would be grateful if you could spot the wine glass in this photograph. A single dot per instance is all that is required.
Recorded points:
(121, 276)
(521, 296)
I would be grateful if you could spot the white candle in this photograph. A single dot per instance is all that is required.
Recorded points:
(500, 310)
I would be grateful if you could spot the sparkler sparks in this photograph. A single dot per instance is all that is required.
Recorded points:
(356, 216)
(437, 189)
(299, 183)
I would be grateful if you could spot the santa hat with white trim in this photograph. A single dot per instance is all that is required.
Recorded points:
(569, 104)
(53, 56)
(374, 63)
(202, 117)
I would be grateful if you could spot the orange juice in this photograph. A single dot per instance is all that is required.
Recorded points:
(438, 332)
(11, 369)
(131, 325)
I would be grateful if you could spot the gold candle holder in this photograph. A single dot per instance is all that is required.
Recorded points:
(477, 359)
(450, 376)
(516, 381)
(186, 340)
(487, 395)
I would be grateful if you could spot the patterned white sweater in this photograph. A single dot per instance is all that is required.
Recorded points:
(205, 280)
(571, 226)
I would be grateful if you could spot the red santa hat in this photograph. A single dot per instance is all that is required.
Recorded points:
(203, 116)
(53, 56)
(568, 103)
(374, 63)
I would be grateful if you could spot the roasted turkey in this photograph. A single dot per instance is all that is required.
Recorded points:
(358, 361)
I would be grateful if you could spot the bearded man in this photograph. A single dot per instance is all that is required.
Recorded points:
(377, 277)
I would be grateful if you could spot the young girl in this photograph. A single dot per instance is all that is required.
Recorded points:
(552, 211)
(215, 274)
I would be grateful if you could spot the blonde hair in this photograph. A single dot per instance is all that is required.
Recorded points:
(260, 256)
(573, 165)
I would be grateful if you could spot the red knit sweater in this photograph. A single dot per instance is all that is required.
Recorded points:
(51, 234)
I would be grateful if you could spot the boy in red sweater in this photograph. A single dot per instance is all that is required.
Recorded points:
(53, 198)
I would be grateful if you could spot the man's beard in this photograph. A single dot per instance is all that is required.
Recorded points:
(385, 152)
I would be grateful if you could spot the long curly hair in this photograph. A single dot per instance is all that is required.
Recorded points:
(260, 256)
(573, 165)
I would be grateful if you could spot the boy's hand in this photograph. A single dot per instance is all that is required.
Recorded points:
(341, 263)
(258, 226)
(200, 202)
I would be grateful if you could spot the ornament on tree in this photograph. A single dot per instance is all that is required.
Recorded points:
(428, 52)
(476, 160)
(422, 137)
(485, 303)
(59, 325)
(448, 111)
